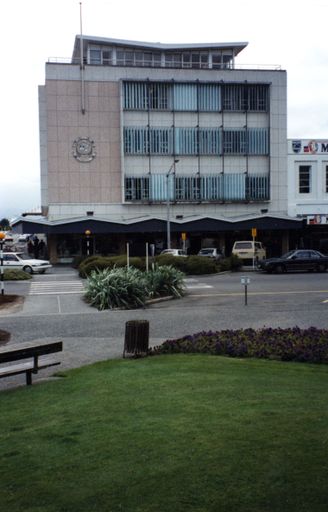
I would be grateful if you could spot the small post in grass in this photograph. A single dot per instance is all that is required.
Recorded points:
(2, 238)
(245, 281)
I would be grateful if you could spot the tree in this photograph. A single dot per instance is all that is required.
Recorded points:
(4, 224)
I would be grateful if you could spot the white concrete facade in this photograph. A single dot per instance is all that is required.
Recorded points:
(308, 180)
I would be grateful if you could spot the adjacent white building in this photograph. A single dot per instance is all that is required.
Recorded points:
(308, 180)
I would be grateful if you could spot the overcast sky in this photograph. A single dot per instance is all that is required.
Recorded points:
(289, 33)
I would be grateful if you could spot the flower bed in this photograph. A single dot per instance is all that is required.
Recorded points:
(291, 344)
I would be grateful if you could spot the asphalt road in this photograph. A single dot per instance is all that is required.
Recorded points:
(54, 309)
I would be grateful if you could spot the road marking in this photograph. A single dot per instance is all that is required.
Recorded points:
(325, 301)
(195, 284)
(56, 288)
(198, 285)
(238, 294)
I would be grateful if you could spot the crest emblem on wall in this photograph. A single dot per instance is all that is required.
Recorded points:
(84, 149)
(297, 146)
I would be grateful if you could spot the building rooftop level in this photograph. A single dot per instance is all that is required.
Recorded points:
(121, 52)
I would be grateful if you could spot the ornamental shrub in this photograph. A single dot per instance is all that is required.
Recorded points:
(101, 262)
(123, 288)
(165, 280)
(290, 344)
(15, 275)
(197, 265)
(95, 263)
(230, 263)
(179, 262)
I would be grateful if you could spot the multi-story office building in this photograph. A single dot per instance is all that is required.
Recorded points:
(134, 133)
(308, 189)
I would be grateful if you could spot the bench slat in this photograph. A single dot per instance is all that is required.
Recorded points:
(28, 350)
(15, 369)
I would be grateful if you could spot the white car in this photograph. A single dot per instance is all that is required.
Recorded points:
(173, 252)
(19, 261)
(211, 252)
(247, 250)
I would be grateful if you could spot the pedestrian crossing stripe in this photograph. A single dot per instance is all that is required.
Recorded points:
(56, 288)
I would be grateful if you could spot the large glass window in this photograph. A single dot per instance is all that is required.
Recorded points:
(159, 96)
(194, 141)
(94, 55)
(234, 141)
(185, 97)
(173, 60)
(137, 189)
(220, 187)
(304, 179)
(245, 97)
(195, 96)
(209, 97)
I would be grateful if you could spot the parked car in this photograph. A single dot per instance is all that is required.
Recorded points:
(211, 252)
(174, 252)
(302, 259)
(16, 260)
(249, 250)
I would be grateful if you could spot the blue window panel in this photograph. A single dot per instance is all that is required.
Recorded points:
(185, 97)
(209, 98)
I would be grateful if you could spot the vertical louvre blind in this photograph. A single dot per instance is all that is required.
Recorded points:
(195, 96)
(220, 187)
(194, 141)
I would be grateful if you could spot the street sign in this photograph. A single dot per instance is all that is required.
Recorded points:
(245, 280)
(184, 236)
(254, 232)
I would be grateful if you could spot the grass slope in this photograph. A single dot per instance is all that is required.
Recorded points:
(170, 433)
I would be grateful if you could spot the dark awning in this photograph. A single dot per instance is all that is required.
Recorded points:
(209, 225)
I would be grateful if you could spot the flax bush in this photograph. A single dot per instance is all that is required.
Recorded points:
(123, 288)
(165, 280)
(127, 288)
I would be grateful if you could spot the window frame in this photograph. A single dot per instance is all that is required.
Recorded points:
(305, 181)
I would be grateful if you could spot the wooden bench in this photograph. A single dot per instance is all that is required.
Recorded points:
(33, 355)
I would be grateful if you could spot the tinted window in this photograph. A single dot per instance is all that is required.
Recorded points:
(243, 245)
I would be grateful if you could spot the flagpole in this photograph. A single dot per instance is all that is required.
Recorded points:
(82, 64)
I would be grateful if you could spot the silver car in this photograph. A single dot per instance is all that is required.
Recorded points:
(19, 261)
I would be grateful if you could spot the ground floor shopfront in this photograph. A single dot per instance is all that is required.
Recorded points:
(69, 239)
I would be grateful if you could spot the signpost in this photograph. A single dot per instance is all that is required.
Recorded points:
(87, 234)
(245, 280)
(184, 238)
(2, 238)
(254, 235)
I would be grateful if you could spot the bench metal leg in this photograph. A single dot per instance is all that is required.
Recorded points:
(29, 378)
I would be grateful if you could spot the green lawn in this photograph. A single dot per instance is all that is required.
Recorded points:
(168, 434)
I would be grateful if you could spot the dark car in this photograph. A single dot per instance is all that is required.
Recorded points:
(302, 259)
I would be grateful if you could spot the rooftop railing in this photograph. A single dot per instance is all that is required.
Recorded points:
(263, 67)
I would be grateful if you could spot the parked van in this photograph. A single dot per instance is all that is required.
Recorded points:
(247, 250)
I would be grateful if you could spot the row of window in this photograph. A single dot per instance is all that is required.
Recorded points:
(195, 141)
(213, 97)
(216, 188)
(305, 179)
(133, 57)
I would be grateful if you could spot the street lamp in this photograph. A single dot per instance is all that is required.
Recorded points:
(87, 234)
(2, 239)
(168, 227)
